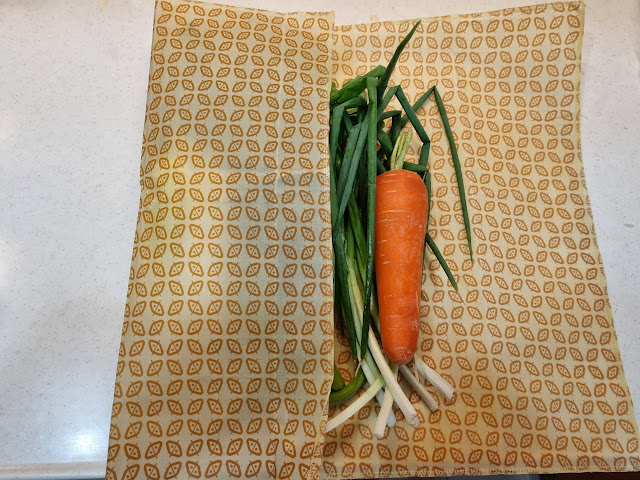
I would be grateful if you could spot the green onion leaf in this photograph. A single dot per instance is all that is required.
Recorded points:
(371, 208)
(441, 260)
(456, 166)
(384, 79)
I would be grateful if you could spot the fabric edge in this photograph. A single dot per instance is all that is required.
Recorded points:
(595, 248)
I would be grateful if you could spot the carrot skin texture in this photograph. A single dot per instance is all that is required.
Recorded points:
(400, 227)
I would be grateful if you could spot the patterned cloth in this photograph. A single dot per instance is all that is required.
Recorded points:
(227, 346)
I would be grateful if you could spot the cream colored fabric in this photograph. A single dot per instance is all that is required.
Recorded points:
(227, 345)
(530, 346)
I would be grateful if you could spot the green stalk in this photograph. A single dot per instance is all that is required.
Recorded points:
(363, 174)
(405, 147)
(394, 154)
(416, 106)
(396, 128)
(348, 124)
(384, 79)
(356, 224)
(338, 113)
(348, 391)
(343, 285)
(414, 167)
(372, 91)
(352, 256)
(354, 87)
(380, 164)
(385, 101)
(385, 143)
(427, 182)
(400, 151)
(336, 118)
(338, 381)
(362, 268)
(456, 165)
(441, 260)
(337, 306)
(341, 280)
(375, 313)
(389, 114)
(424, 154)
(413, 118)
(345, 186)
(349, 166)
(351, 244)
(356, 262)
(360, 114)
(333, 195)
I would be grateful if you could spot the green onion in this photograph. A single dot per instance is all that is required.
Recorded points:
(456, 165)
(385, 101)
(414, 167)
(416, 106)
(353, 153)
(441, 260)
(356, 224)
(396, 128)
(413, 118)
(354, 87)
(361, 401)
(424, 154)
(419, 388)
(353, 166)
(389, 114)
(385, 409)
(400, 151)
(381, 166)
(385, 143)
(431, 376)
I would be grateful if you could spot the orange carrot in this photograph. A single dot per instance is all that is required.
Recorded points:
(400, 228)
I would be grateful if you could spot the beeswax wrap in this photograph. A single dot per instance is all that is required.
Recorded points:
(227, 346)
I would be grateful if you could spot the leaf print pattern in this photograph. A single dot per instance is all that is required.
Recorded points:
(530, 343)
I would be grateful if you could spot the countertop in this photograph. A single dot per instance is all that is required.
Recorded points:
(73, 81)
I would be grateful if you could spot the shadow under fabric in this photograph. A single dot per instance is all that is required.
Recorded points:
(227, 347)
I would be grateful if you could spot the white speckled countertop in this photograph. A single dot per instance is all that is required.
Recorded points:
(73, 80)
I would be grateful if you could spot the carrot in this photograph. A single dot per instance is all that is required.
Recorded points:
(400, 229)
